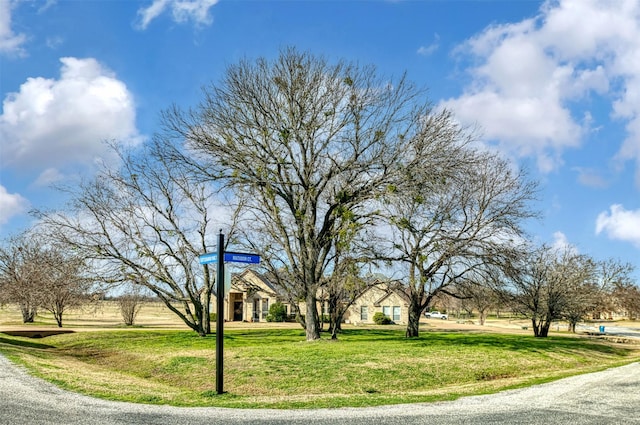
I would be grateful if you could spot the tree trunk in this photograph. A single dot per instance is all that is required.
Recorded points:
(413, 325)
(335, 326)
(58, 317)
(483, 317)
(544, 329)
(336, 313)
(312, 327)
(206, 306)
(536, 327)
(28, 313)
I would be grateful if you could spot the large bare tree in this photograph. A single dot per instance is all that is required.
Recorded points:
(447, 222)
(304, 145)
(146, 222)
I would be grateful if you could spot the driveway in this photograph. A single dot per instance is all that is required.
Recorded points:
(608, 397)
(611, 329)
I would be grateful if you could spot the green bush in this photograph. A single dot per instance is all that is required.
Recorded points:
(381, 319)
(213, 317)
(278, 313)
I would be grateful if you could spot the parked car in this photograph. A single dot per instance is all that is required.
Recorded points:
(436, 315)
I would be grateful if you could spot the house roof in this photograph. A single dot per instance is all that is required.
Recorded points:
(244, 282)
(390, 289)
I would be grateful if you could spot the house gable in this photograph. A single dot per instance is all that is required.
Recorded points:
(382, 298)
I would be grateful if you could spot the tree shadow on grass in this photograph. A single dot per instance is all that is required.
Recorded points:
(516, 343)
(527, 343)
(24, 343)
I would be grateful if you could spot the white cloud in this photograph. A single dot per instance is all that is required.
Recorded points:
(620, 224)
(561, 244)
(55, 123)
(47, 5)
(181, 11)
(48, 177)
(10, 43)
(11, 204)
(431, 48)
(591, 178)
(527, 77)
(54, 42)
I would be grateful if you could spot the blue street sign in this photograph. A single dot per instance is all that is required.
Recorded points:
(209, 258)
(230, 257)
(239, 257)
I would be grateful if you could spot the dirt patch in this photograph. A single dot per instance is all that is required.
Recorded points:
(35, 333)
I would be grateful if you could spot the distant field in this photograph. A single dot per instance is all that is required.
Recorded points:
(103, 314)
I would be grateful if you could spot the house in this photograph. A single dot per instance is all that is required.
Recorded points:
(384, 298)
(252, 294)
(250, 297)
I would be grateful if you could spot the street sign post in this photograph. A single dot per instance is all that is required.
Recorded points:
(220, 315)
(227, 257)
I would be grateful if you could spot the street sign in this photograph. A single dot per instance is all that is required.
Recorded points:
(211, 257)
(239, 257)
(230, 257)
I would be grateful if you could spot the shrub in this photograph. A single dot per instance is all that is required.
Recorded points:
(381, 319)
(130, 305)
(278, 312)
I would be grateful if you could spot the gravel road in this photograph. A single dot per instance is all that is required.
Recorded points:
(603, 398)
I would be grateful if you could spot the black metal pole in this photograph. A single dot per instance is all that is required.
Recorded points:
(220, 315)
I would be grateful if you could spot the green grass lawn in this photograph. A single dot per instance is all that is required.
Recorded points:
(279, 369)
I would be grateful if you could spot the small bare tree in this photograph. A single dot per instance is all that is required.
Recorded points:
(66, 284)
(624, 293)
(344, 287)
(20, 274)
(628, 298)
(130, 303)
(478, 296)
(579, 274)
(36, 273)
(550, 284)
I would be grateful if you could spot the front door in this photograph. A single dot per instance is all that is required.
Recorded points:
(237, 311)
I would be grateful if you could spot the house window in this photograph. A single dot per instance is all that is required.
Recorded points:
(386, 310)
(396, 313)
(265, 308)
(364, 312)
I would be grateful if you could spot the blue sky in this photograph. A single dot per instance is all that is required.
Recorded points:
(555, 86)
